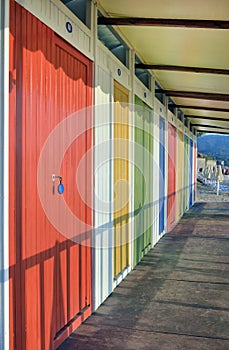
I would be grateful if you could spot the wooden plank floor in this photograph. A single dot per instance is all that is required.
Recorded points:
(176, 298)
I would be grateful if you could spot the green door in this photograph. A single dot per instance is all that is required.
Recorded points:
(142, 179)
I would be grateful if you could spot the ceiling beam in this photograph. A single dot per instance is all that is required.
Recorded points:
(163, 22)
(210, 126)
(212, 131)
(226, 110)
(195, 94)
(182, 68)
(204, 117)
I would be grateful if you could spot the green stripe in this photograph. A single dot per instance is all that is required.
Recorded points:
(143, 217)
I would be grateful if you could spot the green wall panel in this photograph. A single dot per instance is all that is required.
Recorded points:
(142, 179)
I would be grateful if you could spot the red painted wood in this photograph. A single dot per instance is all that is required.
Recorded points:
(14, 275)
(171, 207)
(50, 276)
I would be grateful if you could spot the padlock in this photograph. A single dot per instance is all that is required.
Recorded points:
(60, 187)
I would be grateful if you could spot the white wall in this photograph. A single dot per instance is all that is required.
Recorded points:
(155, 180)
(102, 251)
(4, 88)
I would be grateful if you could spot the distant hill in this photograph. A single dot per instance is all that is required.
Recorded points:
(216, 145)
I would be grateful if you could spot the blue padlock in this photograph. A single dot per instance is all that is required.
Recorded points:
(60, 187)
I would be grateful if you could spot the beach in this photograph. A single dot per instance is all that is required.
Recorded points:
(207, 193)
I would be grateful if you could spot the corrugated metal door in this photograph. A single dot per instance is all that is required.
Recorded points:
(50, 276)
(121, 178)
(171, 212)
(162, 176)
(180, 170)
(186, 172)
(191, 187)
(142, 179)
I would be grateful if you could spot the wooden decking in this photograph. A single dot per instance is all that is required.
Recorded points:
(176, 298)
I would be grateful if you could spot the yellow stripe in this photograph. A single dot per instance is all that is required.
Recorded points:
(121, 172)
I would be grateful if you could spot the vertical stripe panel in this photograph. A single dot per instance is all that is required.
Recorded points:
(50, 275)
(171, 205)
(102, 250)
(191, 185)
(195, 171)
(180, 170)
(143, 199)
(156, 179)
(4, 175)
(186, 173)
(162, 176)
(121, 177)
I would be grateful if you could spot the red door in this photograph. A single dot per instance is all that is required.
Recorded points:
(171, 176)
(50, 275)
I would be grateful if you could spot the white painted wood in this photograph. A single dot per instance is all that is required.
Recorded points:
(187, 154)
(4, 175)
(102, 56)
(118, 279)
(159, 108)
(103, 191)
(179, 176)
(119, 72)
(186, 131)
(171, 118)
(131, 157)
(180, 125)
(153, 205)
(166, 172)
(55, 15)
(142, 92)
(194, 160)
(107, 70)
(195, 169)
(155, 180)
(161, 111)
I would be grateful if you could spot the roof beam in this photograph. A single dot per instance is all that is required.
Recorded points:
(182, 68)
(212, 131)
(195, 94)
(204, 117)
(211, 126)
(226, 110)
(163, 22)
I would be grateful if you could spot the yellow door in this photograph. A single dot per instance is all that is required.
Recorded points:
(121, 178)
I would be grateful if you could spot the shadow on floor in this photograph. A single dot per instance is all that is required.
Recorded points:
(177, 297)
